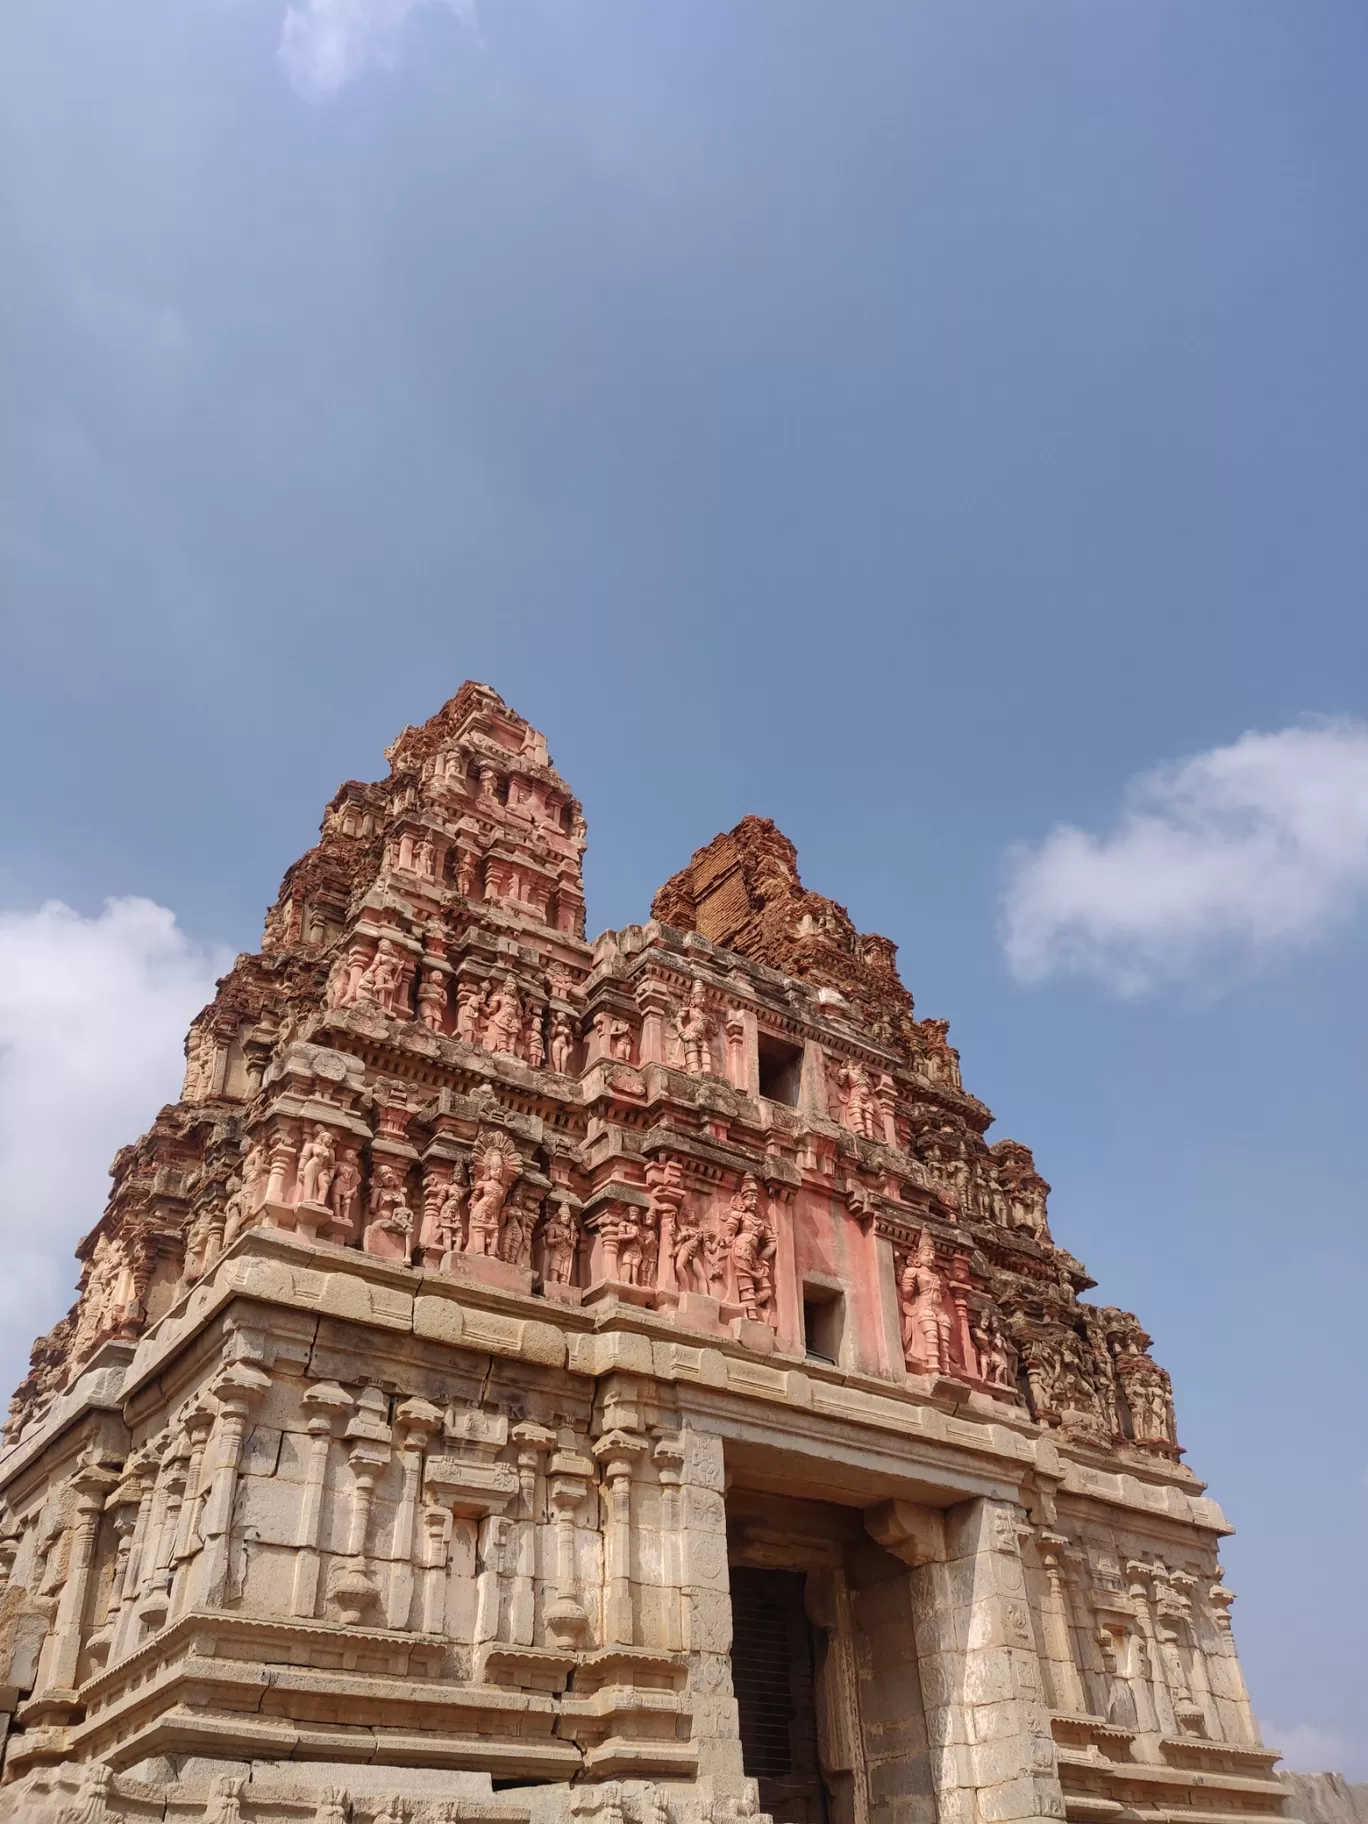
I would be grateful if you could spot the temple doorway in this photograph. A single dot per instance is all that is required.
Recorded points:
(824, 1663)
(773, 1676)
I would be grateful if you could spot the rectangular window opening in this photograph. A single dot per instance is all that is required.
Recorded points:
(781, 1069)
(823, 1323)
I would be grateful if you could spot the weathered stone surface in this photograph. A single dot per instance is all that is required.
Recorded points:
(492, 1302)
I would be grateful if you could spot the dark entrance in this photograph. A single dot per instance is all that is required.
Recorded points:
(773, 1677)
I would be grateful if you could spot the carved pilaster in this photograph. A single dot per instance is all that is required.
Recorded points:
(617, 1452)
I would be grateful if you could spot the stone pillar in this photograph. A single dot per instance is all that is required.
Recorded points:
(617, 1452)
(669, 1460)
(655, 1005)
(418, 1420)
(57, 1698)
(533, 1442)
(437, 1528)
(1066, 1688)
(1227, 1680)
(737, 1037)
(199, 1424)
(155, 1601)
(840, 1728)
(489, 1581)
(993, 1758)
(705, 1590)
(122, 1508)
(325, 1402)
(141, 1472)
(237, 1390)
(890, 1307)
(570, 1478)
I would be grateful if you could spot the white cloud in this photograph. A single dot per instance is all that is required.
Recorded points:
(93, 1014)
(1305, 1748)
(325, 44)
(1237, 850)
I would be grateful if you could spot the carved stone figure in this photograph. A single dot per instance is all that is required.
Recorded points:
(995, 1356)
(560, 1244)
(752, 1259)
(926, 1319)
(346, 1190)
(468, 874)
(380, 982)
(432, 1000)
(694, 1025)
(317, 1165)
(494, 1173)
(533, 1047)
(520, 1220)
(614, 1036)
(690, 1261)
(389, 1232)
(234, 1211)
(504, 1018)
(562, 1042)
(858, 1107)
(469, 1011)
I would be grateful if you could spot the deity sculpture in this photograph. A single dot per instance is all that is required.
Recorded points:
(690, 1265)
(432, 1000)
(468, 874)
(722, 1233)
(348, 974)
(623, 1232)
(488, 800)
(993, 1350)
(346, 1189)
(694, 1026)
(380, 982)
(857, 1100)
(562, 1042)
(390, 1228)
(560, 1245)
(504, 1018)
(469, 1010)
(493, 1176)
(234, 1211)
(534, 1048)
(423, 857)
(752, 1259)
(926, 1319)
(317, 1164)
(515, 1242)
(255, 1171)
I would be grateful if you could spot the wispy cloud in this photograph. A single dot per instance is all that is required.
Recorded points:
(93, 1013)
(1306, 1748)
(1241, 849)
(325, 44)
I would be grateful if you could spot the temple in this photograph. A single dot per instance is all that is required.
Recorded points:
(525, 1380)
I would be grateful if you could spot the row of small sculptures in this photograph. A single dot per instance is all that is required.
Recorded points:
(1099, 1381)
(664, 1243)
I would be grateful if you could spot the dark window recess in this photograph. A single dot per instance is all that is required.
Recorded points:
(822, 1324)
(781, 1069)
(772, 1675)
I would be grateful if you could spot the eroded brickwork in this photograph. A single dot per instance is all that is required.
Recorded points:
(490, 1298)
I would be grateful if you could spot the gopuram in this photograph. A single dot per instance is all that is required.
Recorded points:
(525, 1380)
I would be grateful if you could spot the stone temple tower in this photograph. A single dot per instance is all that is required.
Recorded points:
(525, 1379)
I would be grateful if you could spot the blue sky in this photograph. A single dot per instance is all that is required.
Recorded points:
(917, 423)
